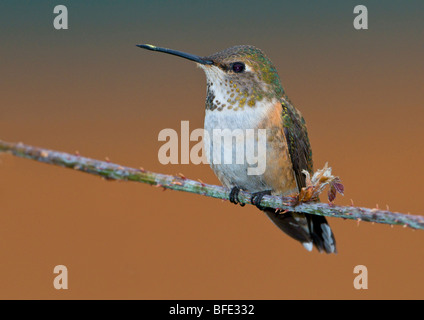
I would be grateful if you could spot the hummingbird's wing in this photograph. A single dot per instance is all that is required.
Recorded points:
(317, 228)
(297, 142)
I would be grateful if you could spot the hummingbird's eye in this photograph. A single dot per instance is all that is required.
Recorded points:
(238, 67)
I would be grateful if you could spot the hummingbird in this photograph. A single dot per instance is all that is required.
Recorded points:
(244, 91)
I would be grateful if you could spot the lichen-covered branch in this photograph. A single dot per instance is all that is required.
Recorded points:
(112, 171)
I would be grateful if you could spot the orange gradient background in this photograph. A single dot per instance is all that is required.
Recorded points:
(90, 89)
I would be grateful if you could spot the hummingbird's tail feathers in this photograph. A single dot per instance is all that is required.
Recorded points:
(321, 233)
(291, 225)
(306, 228)
(308, 245)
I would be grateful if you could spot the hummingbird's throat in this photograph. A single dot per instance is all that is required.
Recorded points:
(229, 93)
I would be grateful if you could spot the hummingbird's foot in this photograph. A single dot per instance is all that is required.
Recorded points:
(257, 198)
(234, 196)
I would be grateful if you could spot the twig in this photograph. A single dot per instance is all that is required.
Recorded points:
(112, 171)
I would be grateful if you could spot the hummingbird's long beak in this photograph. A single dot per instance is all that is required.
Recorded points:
(184, 55)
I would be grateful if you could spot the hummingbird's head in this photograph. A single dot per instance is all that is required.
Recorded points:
(237, 77)
(242, 76)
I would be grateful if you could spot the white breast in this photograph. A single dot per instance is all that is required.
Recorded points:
(245, 121)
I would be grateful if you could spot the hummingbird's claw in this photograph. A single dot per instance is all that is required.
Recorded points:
(257, 198)
(233, 197)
